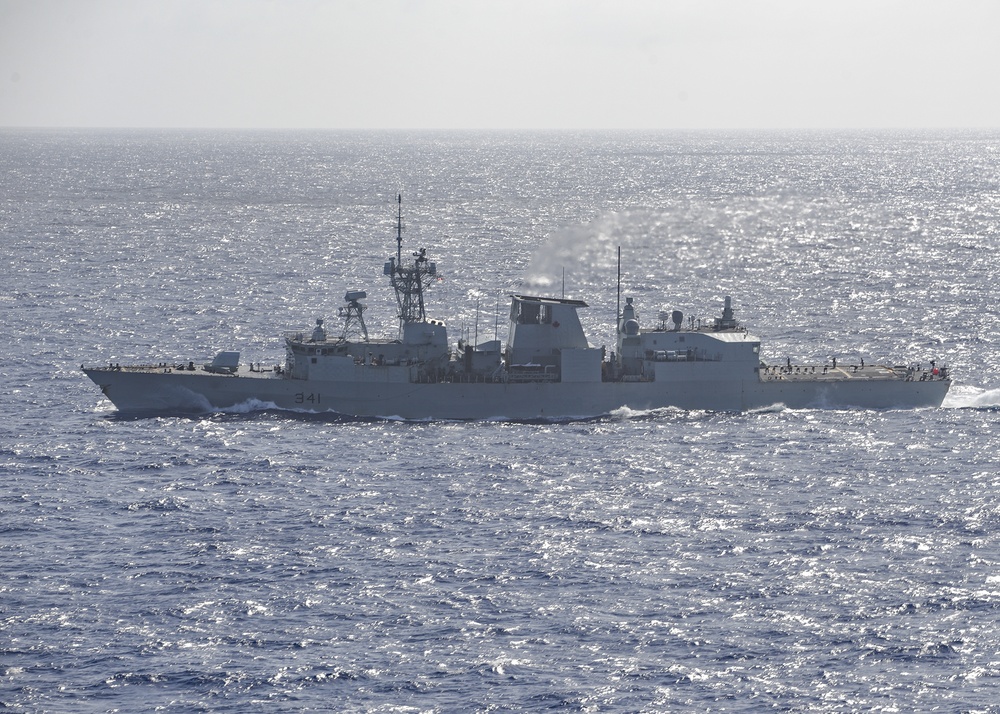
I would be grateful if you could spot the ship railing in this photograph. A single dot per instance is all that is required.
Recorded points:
(522, 377)
(875, 372)
(123, 367)
(459, 378)
(170, 366)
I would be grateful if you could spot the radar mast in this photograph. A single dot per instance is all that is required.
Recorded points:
(408, 281)
(353, 314)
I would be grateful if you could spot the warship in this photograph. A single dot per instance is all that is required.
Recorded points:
(547, 369)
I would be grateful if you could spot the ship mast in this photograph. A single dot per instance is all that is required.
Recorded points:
(408, 281)
(399, 229)
(618, 309)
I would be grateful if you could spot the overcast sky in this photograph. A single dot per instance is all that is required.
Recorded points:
(500, 64)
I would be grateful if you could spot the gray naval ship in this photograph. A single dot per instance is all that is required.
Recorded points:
(547, 370)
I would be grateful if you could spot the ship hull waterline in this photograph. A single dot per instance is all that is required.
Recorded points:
(151, 392)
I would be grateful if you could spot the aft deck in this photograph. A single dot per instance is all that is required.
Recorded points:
(836, 373)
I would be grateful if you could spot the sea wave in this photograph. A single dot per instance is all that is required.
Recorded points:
(968, 397)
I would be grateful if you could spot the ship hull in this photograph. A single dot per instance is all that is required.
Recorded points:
(148, 391)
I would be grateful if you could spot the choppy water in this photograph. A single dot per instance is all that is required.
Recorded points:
(272, 561)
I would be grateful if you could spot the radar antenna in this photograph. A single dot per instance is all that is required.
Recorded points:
(353, 314)
(408, 281)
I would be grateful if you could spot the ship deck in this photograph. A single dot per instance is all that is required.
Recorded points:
(768, 373)
(881, 372)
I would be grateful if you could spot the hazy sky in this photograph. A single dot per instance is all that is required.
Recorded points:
(500, 64)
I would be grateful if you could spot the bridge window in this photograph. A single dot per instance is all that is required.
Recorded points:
(528, 313)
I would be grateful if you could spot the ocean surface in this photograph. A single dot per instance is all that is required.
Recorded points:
(843, 561)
